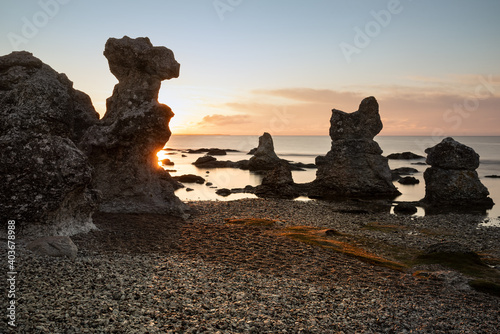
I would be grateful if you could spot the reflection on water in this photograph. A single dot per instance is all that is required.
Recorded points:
(305, 149)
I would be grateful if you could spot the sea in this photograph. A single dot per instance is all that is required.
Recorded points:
(305, 149)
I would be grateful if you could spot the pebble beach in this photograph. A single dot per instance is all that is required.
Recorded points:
(158, 274)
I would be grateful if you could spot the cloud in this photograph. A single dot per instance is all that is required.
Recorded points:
(224, 120)
(312, 95)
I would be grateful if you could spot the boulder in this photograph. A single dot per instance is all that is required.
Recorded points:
(264, 157)
(46, 179)
(354, 167)
(452, 155)
(451, 181)
(122, 146)
(57, 246)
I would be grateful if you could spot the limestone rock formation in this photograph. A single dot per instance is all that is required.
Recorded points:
(264, 157)
(354, 167)
(452, 181)
(278, 183)
(122, 147)
(45, 178)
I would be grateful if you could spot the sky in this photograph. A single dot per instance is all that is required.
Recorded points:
(281, 66)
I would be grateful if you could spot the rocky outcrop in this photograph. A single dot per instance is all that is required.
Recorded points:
(122, 147)
(452, 180)
(264, 157)
(45, 178)
(354, 167)
(278, 183)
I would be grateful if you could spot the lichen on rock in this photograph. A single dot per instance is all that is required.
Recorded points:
(46, 179)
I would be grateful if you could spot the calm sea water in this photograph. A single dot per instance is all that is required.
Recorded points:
(305, 149)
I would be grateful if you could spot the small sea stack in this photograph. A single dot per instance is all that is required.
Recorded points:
(452, 180)
(354, 167)
(264, 157)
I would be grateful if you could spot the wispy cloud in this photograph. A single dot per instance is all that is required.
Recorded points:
(404, 109)
(224, 120)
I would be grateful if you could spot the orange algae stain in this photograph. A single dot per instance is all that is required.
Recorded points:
(316, 236)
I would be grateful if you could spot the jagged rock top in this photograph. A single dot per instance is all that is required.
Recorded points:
(365, 123)
(450, 154)
(266, 147)
(127, 56)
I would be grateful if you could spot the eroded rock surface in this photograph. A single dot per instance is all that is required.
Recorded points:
(278, 183)
(451, 181)
(123, 145)
(264, 157)
(45, 178)
(354, 167)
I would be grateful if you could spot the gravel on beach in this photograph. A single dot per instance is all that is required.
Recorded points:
(158, 274)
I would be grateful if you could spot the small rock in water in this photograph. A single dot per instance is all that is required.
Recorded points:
(223, 192)
(408, 180)
(405, 209)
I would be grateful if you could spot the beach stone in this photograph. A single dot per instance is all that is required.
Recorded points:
(45, 178)
(122, 146)
(452, 181)
(57, 246)
(354, 167)
(264, 157)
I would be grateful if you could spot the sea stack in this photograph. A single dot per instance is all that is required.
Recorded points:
(45, 178)
(452, 180)
(354, 167)
(264, 157)
(122, 147)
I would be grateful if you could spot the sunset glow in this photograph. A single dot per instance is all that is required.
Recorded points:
(282, 66)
